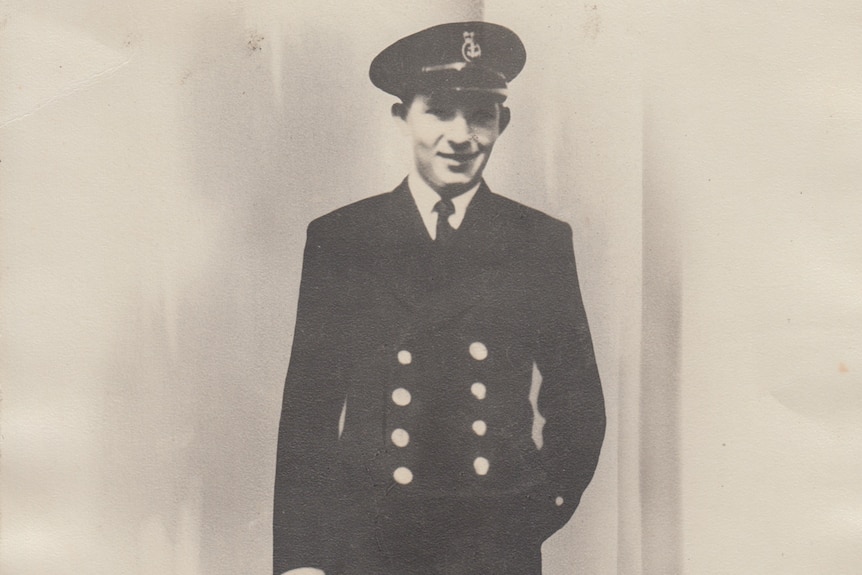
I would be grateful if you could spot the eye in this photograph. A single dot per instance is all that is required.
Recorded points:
(483, 116)
(441, 113)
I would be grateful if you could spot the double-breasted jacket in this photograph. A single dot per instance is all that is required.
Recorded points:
(409, 381)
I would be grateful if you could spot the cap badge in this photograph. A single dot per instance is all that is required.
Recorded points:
(471, 49)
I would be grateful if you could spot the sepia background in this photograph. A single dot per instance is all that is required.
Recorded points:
(159, 162)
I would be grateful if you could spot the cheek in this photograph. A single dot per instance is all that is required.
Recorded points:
(486, 136)
(427, 132)
(485, 133)
(424, 148)
(420, 140)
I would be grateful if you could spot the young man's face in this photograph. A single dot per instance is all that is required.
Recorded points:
(452, 134)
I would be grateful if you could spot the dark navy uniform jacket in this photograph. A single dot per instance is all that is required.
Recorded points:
(406, 411)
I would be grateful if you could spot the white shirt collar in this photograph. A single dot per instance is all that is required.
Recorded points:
(426, 198)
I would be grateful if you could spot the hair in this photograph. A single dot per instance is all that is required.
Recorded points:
(400, 108)
(408, 97)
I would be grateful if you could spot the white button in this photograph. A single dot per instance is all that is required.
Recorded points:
(479, 390)
(559, 501)
(401, 397)
(400, 437)
(478, 351)
(481, 465)
(480, 427)
(405, 357)
(403, 475)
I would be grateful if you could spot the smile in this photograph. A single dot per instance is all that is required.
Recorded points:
(460, 158)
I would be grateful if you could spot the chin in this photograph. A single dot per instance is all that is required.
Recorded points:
(467, 180)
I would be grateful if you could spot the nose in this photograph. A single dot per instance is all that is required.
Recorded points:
(459, 132)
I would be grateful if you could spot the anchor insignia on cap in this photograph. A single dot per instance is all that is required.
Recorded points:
(471, 49)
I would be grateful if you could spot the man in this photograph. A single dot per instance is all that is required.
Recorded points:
(425, 316)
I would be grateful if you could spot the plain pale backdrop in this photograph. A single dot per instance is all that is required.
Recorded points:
(159, 163)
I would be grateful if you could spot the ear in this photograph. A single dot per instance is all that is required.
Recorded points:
(399, 113)
(399, 110)
(505, 118)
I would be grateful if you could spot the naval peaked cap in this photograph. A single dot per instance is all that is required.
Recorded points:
(475, 56)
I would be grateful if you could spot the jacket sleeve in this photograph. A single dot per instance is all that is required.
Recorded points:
(570, 397)
(305, 503)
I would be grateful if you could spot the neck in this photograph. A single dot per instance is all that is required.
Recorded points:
(447, 192)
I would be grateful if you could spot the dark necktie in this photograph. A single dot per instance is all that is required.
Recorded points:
(444, 209)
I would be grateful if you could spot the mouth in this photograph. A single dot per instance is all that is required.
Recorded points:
(459, 158)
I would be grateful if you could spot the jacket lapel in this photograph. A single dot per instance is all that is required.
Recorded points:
(402, 220)
(434, 285)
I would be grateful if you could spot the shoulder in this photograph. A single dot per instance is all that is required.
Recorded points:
(351, 219)
(528, 220)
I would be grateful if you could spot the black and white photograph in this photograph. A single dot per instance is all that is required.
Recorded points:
(474, 287)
